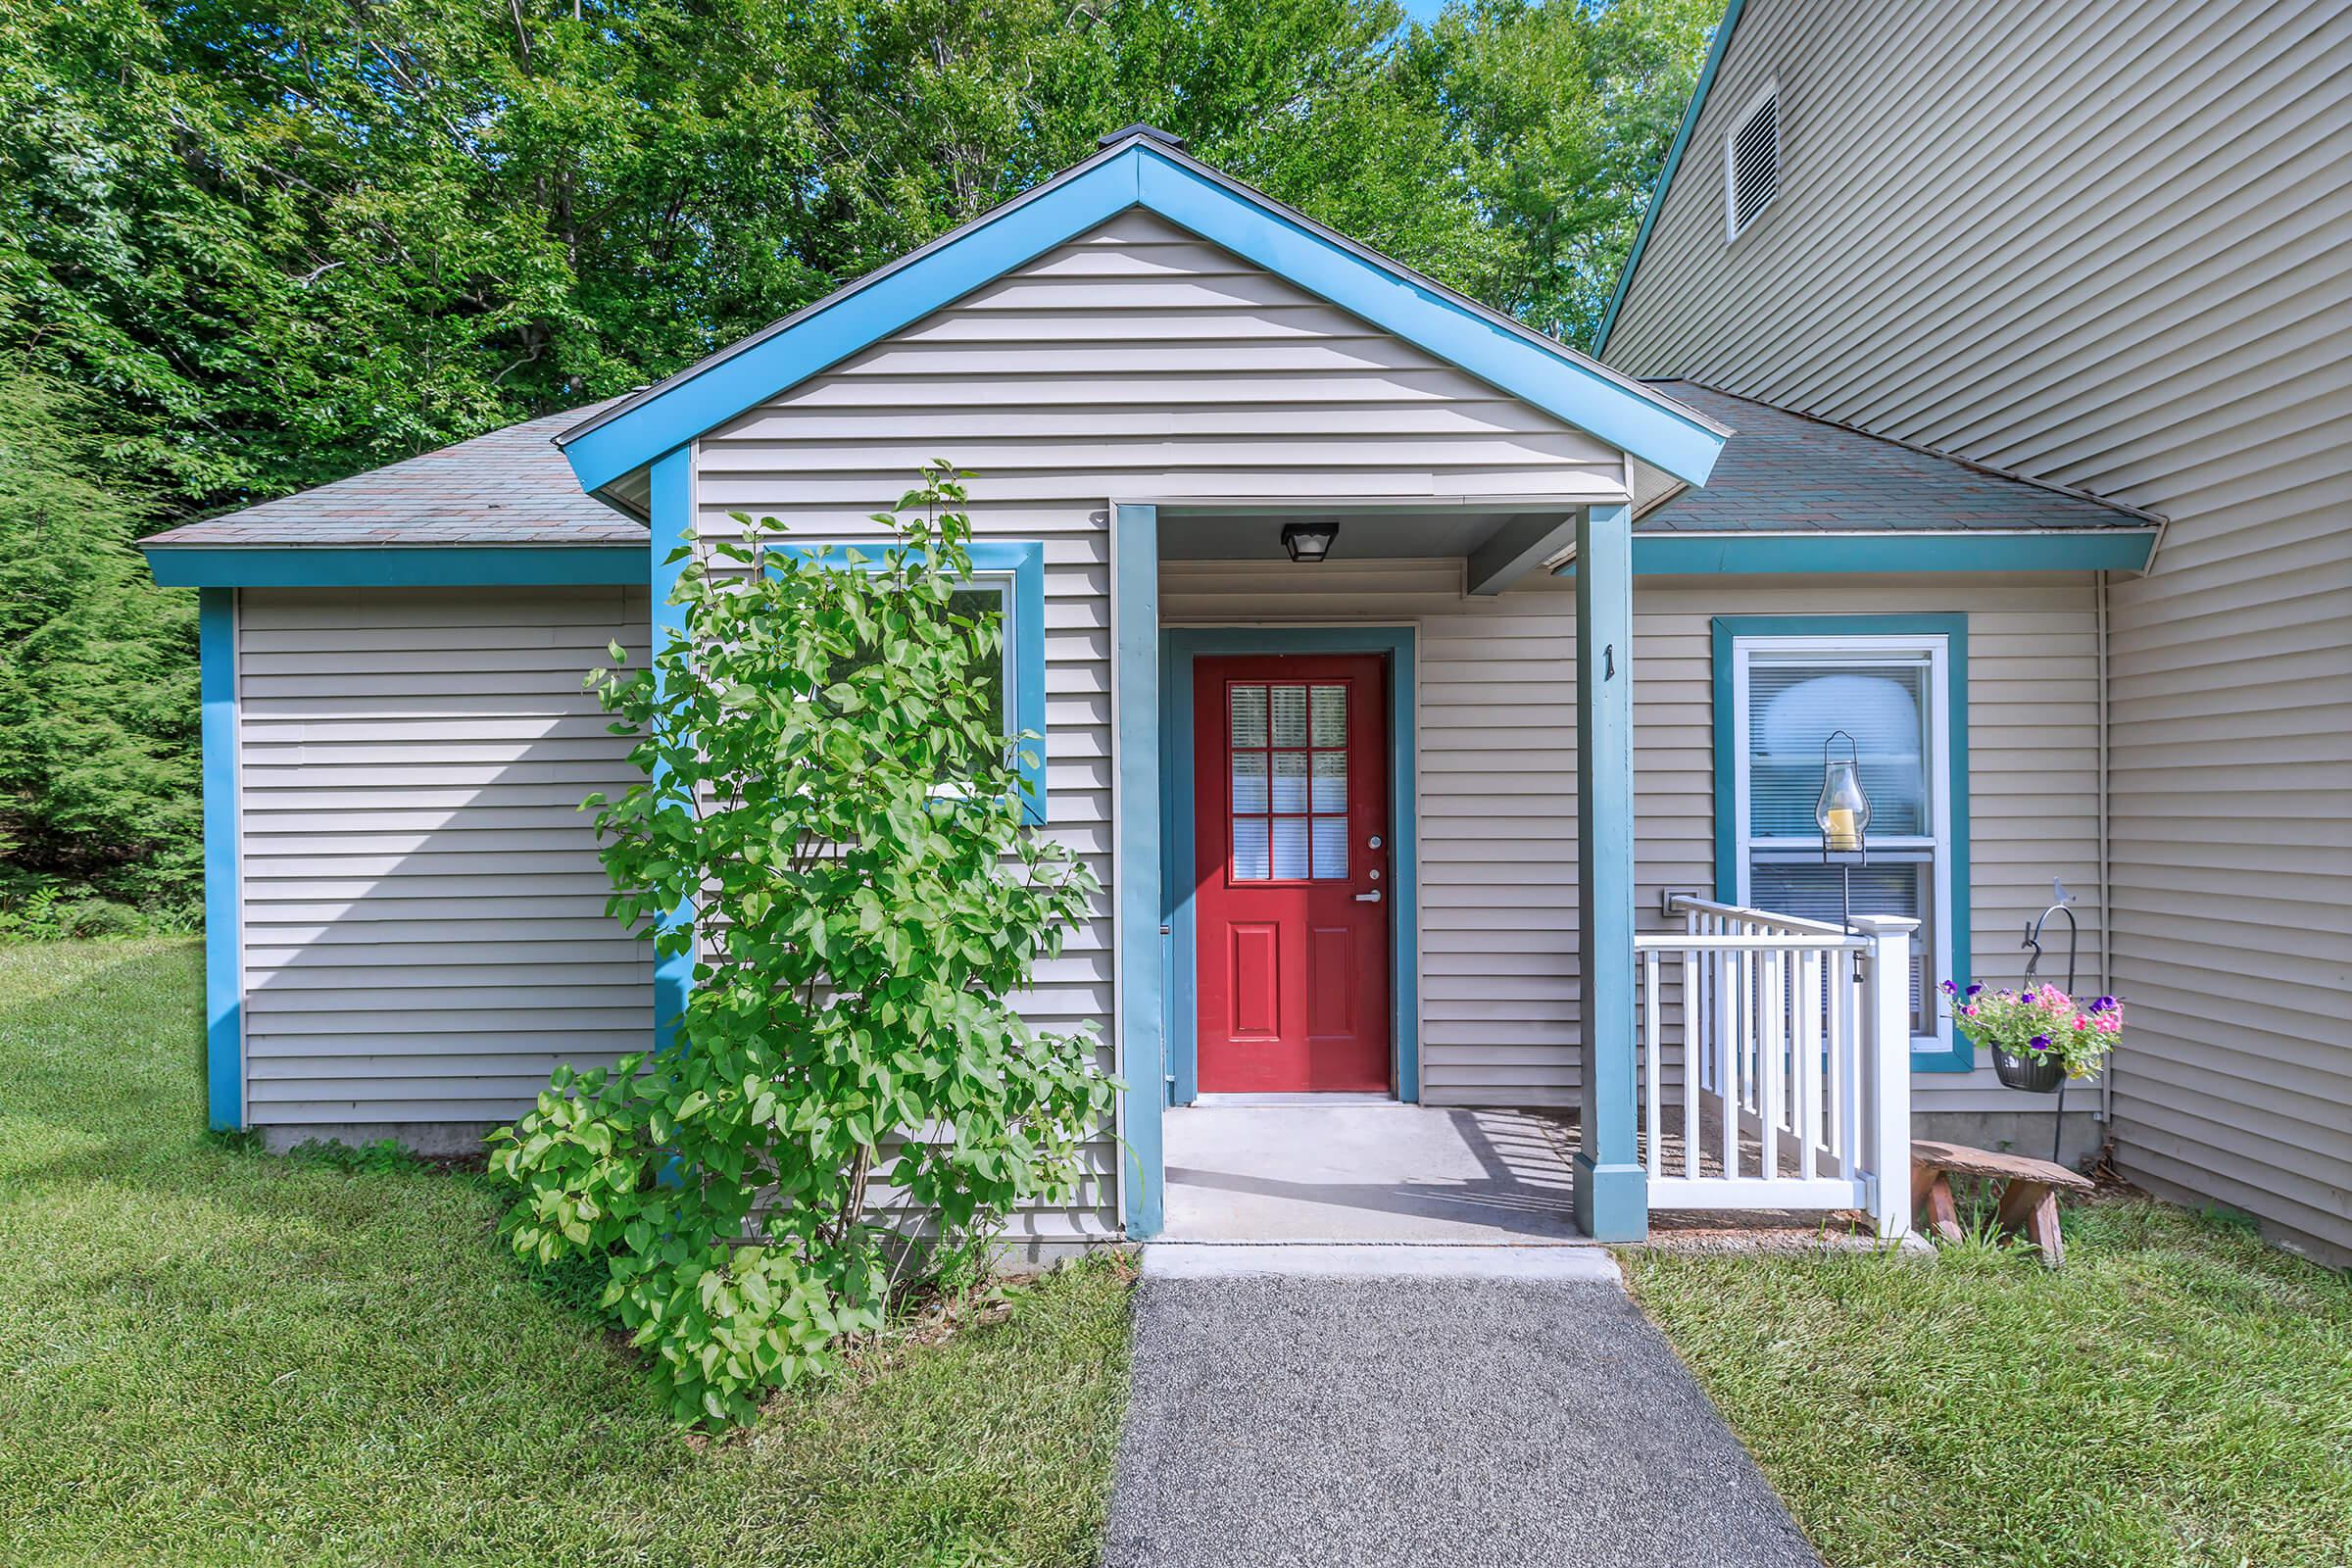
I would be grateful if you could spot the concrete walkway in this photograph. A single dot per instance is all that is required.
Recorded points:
(1402, 1406)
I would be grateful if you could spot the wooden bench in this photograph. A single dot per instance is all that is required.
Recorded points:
(2029, 1192)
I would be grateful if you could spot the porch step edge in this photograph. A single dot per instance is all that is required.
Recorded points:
(1567, 1262)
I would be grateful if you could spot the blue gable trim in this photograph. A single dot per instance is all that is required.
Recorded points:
(1501, 355)
(1953, 630)
(223, 921)
(1143, 174)
(394, 565)
(1677, 555)
(1178, 647)
(1674, 160)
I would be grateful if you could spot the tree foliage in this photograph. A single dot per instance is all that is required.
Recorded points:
(292, 240)
(282, 241)
(824, 783)
(98, 757)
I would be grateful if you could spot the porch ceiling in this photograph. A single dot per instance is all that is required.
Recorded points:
(1255, 533)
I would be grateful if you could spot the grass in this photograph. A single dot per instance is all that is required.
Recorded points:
(2178, 1393)
(208, 1354)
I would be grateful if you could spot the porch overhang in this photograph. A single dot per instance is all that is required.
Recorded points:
(1609, 1181)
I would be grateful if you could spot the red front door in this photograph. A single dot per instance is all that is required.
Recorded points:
(1292, 886)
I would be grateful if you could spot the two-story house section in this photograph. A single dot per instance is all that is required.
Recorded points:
(2108, 247)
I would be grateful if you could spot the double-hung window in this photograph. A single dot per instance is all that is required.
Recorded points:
(1895, 684)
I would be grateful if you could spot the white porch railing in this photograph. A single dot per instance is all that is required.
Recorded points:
(1775, 1063)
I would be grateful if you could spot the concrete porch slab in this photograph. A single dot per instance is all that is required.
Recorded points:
(1367, 1172)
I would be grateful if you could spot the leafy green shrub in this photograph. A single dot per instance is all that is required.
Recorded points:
(825, 782)
(37, 909)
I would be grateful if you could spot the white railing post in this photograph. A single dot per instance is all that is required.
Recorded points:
(1886, 1053)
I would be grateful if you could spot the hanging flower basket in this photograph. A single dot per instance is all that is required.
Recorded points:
(2039, 1074)
(2039, 1036)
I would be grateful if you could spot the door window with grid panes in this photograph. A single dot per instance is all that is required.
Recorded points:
(1289, 781)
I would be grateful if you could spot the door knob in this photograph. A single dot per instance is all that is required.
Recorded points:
(1372, 896)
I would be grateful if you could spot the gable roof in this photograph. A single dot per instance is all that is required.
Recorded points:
(508, 487)
(1143, 169)
(1786, 472)
(1674, 161)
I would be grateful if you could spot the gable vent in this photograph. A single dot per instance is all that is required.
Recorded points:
(1751, 165)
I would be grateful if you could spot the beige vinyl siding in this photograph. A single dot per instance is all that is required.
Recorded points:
(1496, 725)
(1133, 363)
(2110, 246)
(424, 930)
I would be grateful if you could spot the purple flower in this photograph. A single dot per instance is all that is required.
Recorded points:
(2102, 1004)
(1949, 988)
(2041, 1042)
(1972, 990)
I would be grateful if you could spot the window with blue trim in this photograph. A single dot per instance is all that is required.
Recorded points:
(1788, 694)
(1007, 582)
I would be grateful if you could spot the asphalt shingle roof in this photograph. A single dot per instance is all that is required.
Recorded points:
(1779, 472)
(1788, 473)
(509, 487)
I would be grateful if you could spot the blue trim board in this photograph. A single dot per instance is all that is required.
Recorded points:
(1667, 555)
(1674, 160)
(395, 565)
(1024, 561)
(1664, 554)
(1178, 647)
(1142, 954)
(1611, 1190)
(1953, 630)
(223, 917)
(672, 508)
(1144, 174)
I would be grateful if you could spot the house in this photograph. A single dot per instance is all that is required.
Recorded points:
(2105, 246)
(1507, 800)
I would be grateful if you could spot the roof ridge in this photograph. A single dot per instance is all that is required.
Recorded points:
(2055, 487)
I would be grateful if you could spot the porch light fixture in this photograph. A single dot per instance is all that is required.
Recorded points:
(1308, 541)
(1844, 816)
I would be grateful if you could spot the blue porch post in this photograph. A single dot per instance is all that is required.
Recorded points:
(1136, 865)
(672, 508)
(1612, 1196)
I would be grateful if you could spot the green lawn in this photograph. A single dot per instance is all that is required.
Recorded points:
(2178, 1393)
(208, 1355)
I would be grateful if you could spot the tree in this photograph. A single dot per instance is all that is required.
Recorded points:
(825, 783)
(288, 241)
(276, 242)
(98, 713)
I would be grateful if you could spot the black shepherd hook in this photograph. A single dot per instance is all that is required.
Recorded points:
(2074, 944)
